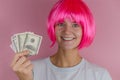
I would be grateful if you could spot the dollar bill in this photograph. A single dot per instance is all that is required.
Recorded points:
(21, 38)
(13, 48)
(32, 43)
(15, 42)
(26, 41)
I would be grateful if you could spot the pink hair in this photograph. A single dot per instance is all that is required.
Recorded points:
(75, 10)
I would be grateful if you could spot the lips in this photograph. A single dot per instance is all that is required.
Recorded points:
(67, 38)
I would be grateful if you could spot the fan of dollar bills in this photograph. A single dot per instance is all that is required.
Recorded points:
(26, 41)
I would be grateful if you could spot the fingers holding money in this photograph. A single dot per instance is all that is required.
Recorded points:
(18, 56)
(24, 45)
(22, 66)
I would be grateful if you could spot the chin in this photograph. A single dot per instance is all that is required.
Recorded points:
(69, 47)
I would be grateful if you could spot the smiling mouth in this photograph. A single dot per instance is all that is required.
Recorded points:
(67, 38)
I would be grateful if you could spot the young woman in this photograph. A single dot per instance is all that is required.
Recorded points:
(71, 26)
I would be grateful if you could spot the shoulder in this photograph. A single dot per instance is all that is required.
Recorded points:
(97, 70)
(93, 67)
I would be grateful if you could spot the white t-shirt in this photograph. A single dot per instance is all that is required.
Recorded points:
(45, 70)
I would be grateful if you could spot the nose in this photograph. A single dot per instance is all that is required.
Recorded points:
(67, 29)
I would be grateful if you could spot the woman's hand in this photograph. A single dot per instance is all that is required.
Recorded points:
(22, 66)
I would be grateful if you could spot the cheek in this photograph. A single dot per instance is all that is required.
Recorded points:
(79, 33)
(57, 34)
(58, 31)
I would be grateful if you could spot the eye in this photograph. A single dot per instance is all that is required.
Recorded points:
(62, 24)
(75, 25)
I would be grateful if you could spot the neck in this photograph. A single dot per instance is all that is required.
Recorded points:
(66, 58)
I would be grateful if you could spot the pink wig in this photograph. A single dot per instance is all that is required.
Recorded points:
(77, 11)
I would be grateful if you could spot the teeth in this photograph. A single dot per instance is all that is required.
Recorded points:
(67, 38)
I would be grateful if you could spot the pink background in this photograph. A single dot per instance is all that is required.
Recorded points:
(30, 15)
